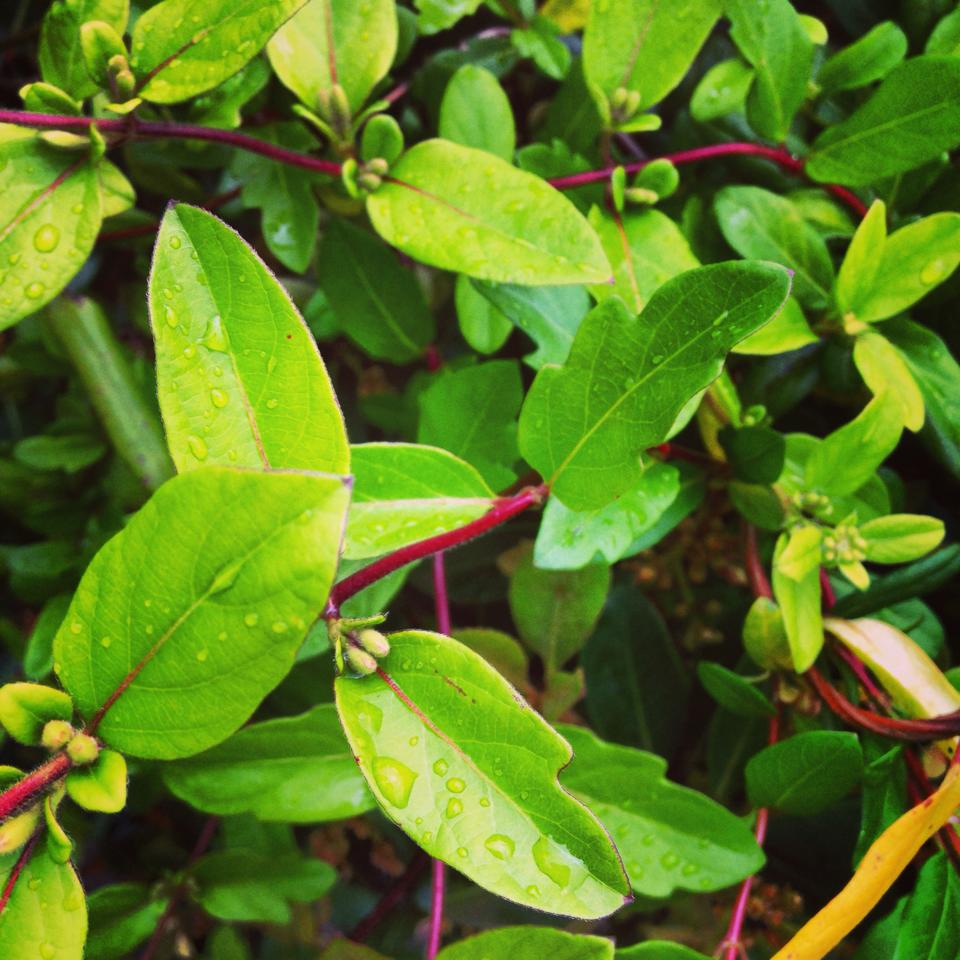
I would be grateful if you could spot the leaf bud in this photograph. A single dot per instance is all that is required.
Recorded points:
(374, 642)
(618, 98)
(57, 734)
(377, 165)
(83, 749)
(360, 661)
(369, 181)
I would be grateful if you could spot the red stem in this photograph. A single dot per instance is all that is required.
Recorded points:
(756, 575)
(502, 511)
(33, 786)
(17, 870)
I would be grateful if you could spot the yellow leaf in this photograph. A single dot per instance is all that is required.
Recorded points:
(886, 859)
(568, 15)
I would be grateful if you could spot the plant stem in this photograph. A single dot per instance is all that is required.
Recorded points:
(503, 510)
(17, 870)
(756, 575)
(33, 786)
(442, 605)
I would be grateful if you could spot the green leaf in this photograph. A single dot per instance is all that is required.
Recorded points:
(492, 392)
(122, 916)
(529, 943)
(585, 425)
(492, 808)
(773, 41)
(788, 330)
(335, 41)
(377, 301)
(737, 694)
(437, 15)
(38, 655)
(659, 950)
(755, 454)
(722, 90)
(912, 118)
(60, 54)
(500, 650)
(476, 112)
(46, 911)
(884, 369)
(846, 459)
(569, 539)
(550, 316)
(179, 49)
(248, 886)
(102, 786)
(49, 218)
(670, 837)
(646, 249)
(901, 537)
(765, 636)
(945, 37)
(807, 773)
(25, 709)
(541, 41)
(636, 45)
(930, 926)
(404, 492)
(799, 600)
(868, 59)
(555, 610)
(284, 195)
(762, 225)
(636, 692)
(239, 377)
(69, 452)
(915, 259)
(884, 792)
(226, 619)
(222, 106)
(860, 266)
(476, 214)
(484, 327)
(292, 769)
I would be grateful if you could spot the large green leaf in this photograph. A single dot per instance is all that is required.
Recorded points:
(762, 225)
(49, 218)
(405, 492)
(463, 209)
(335, 41)
(659, 950)
(807, 773)
(239, 376)
(912, 118)
(930, 927)
(122, 916)
(293, 769)
(475, 111)
(772, 39)
(46, 914)
(868, 59)
(180, 48)
(377, 301)
(488, 805)
(669, 836)
(646, 249)
(584, 426)
(529, 943)
(640, 44)
(186, 619)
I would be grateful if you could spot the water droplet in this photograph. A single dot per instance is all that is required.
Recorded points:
(273, 403)
(427, 836)
(34, 883)
(197, 447)
(77, 208)
(202, 655)
(251, 619)
(689, 869)
(533, 890)
(461, 851)
(647, 839)
(484, 801)
(413, 741)
(13, 259)
(167, 293)
(395, 780)
(549, 862)
(934, 271)
(657, 358)
(215, 337)
(370, 715)
(456, 785)
(218, 398)
(669, 860)
(524, 794)
(190, 351)
(418, 821)
(222, 635)
(46, 238)
(76, 628)
(175, 242)
(440, 767)
(500, 846)
(35, 290)
(280, 626)
(170, 315)
(105, 642)
(242, 278)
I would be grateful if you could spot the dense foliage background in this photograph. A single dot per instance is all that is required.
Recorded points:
(542, 249)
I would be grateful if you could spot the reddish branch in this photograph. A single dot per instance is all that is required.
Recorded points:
(17, 871)
(33, 786)
(756, 575)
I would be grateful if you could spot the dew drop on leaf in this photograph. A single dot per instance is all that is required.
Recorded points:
(170, 315)
(533, 890)
(218, 398)
(456, 785)
(395, 780)
(933, 272)
(484, 801)
(76, 628)
(549, 864)
(413, 741)
(215, 337)
(454, 808)
(105, 642)
(669, 860)
(202, 655)
(33, 883)
(461, 851)
(48, 951)
(500, 845)
(197, 447)
(46, 238)
(440, 767)
(175, 242)
(35, 290)
(251, 619)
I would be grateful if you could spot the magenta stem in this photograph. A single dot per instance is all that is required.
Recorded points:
(440, 594)
(33, 786)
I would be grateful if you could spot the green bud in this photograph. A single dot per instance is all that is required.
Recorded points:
(359, 661)
(641, 195)
(57, 734)
(618, 98)
(334, 107)
(377, 165)
(83, 749)
(369, 181)
(632, 104)
(374, 642)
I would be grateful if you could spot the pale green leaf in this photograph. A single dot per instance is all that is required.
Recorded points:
(788, 330)
(584, 426)
(861, 264)
(484, 326)
(529, 943)
(180, 48)
(292, 769)
(883, 368)
(475, 112)
(239, 376)
(799, 601)
(49, 218)
(186, 619)
(489, 806)
(335, 41)
(721, 91)
(670, 837)
(901, 537)
(436, 15)
(465, 210)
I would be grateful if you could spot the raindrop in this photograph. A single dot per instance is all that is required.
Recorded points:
(105, 642)
(456, 785)
(35, 290)
(273, 403)
(215, 337)
(13, 259)
(170, 315)
(647, 840)
(34, 883)
(533, 890)
(484, 801)
(175, 242)
(500, 846)
(75, 628)
(549, 864)
(689, 869)
(454, 808)
(440, 767)
(279, 627)
(934, 271)
(46, 238)
(657, 358)
(669, 860)
(190, 351)
(461, 851)
(202, 655)
(395, 780)
(251, 619)
(413, 741)
(197, 447)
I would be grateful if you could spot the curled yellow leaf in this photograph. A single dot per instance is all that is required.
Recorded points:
(886, 859)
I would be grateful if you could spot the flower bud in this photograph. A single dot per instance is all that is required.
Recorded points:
(83, 749)
(359, 661)
(57, 734)
(377, 165)
(374, 642)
